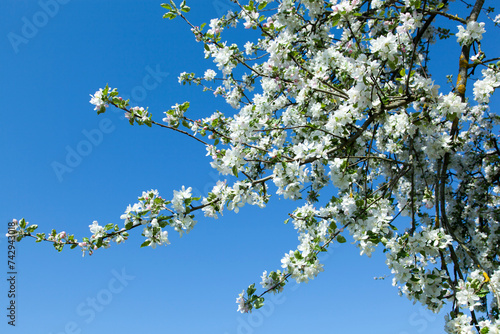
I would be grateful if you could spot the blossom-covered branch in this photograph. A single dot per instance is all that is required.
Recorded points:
(336, 97)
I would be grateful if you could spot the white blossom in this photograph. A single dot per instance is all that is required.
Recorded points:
(209, 75)
(473, 32)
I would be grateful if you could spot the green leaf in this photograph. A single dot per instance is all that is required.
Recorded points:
(58, 246)
(105, 90)
(32, 228)
(259, 302)
(251, 289)
(170, 15)
(484, 330)
(340, 239)
(146, 243)
(335, 20)
(166, 6)
(483, 293)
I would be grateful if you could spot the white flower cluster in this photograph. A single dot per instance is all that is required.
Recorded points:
(215, 27)
(417, 282)
(175, 115)
(459, 325)
(273, 281)
(451, 105)
(147, 209)
(138, 114)
(154, 238)
(146, 212)
(472, 33)
(376, 223)
(386, 46)
(98, 101)
(462, 324)
(222, 57)
(290, 179)
(251, 19)
(484, 88)
(243, 307)
(466, 295)
(97, 230)
(182, 221)
(496, 20)
(488, 326)
(209, 75)
(179, 199)
(301, 269)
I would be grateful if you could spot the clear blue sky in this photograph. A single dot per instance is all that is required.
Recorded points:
(52, 58)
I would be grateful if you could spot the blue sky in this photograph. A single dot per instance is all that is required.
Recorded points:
(56, 53)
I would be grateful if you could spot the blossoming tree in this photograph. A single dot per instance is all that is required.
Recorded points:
(344, 104)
